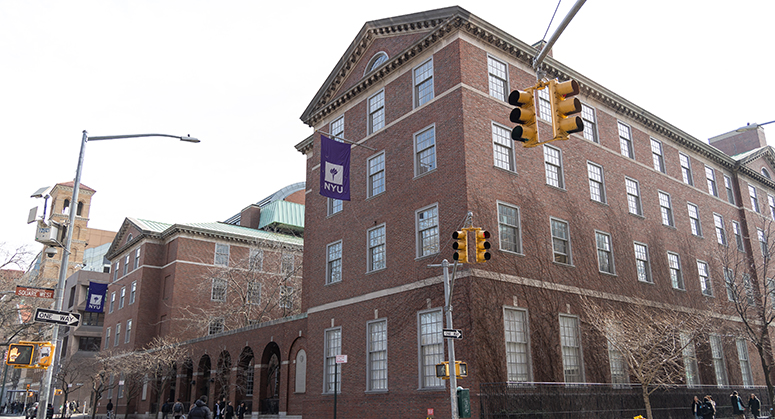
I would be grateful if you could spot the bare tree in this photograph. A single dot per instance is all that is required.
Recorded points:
(69, 379)
(16, 311)
(102, 379)
(157, 363)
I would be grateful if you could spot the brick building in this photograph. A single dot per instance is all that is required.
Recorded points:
(631, 210)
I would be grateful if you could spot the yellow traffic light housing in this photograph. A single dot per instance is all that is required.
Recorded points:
(461, 369)
(564, 106)
(46, 351)
(482, 246)
(20, 354)
(442, 370)
(461, 246)
(524, 114)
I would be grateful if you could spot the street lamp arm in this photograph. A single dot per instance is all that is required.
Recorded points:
(751, 127)
(116, 137)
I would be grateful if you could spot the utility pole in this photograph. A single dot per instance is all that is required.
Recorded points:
(450, 342)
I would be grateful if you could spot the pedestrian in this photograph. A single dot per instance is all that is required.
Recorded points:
(109, 408)
(708, 408)
(696, 403)
(738, 409)
(229, 411)
(241, 409)
(754, 404)
(200, 410)
(177, 409)
(166, 408)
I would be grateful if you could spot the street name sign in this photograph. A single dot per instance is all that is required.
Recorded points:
(453, 333)
(34, 292)
(62, 318)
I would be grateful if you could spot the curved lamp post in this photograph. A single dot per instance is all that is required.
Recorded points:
(751, 127)
(46, 390)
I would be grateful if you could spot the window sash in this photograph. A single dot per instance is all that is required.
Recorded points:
(633, 197)
(625, 141)
(674, 264)
(425, 151)
(431, 348)
(503, 148)
(705, 284)
(738, 236)
(745, 366)
(730, 190)
(423, 83)
(376, 112)
(377, 248)
(497, 77)
(571, 349)
(694, 219)
(509, 228)
(222, 254)
(334, 262)
(561, 242)
(710, 175)
(590, 123)
(605, 258)
(376, 175)
(719, 365)
(721, 232)
(596, 184)
(754, 198)
(332, 380)
(377, 355)
(334, 206)
(686, 169)
(553, 165)
(657, 157)
(642, 264)
(666, 209)
(427, 231)
(516, 332)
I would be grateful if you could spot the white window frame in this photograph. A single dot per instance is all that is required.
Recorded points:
(112, 304)
(690, 361)
(544, 107)
(642, 262)
(745, 363)
(703, 271)
(117, 337)
(420, 81)
(253, 293)
(570, 345)
(375, 111)
(771, 203)
(719, 363)
(334, 262)
(763, 245)
(419, 167)
(605, 249)
(686, 168)
(710, 177)
(553, 167)
(568, 255)
(503, 148)
(634, 203)
(137, 259)
(730, 189)
(666, 209)
(738, 236)
(107, 337)
(430, 345)
(620, 375)
(287, 264)
(376, 245)
(126, 264)
(596, 177)
(753, 194)
(337, 129)
(375, 177)
(431, 241)
(516, 328)
(256, 260)
(590, 123)
(657, 155)
(115, 271)
(498, 78)
(219, 289)
(377, 355)
(506, 228)
(729, 283)
(122, 297)
(221, 254)
(674, 269)
(128, 332)
(133, 292)
(694, 219)
(216, 325)
(332, 345)
(334, 206)
(721, 231)
(625, 140)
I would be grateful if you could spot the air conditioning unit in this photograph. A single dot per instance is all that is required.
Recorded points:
(47, 234)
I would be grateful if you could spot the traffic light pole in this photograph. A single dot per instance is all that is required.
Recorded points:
(556, 35)
(450, 342)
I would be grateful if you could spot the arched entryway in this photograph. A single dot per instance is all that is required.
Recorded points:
(270, 380)
(245, 379)
(223, 376)
(203, 381)
(186, 381)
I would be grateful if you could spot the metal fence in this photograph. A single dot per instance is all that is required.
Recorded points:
(602, 401)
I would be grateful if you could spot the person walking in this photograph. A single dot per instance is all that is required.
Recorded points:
(109, 409)
(707, 409)
(229, 411)
(199, 410)
(696, 403)
(241, 409)
(754, 404)
(177, 409)
(166, 408)
(738, 408)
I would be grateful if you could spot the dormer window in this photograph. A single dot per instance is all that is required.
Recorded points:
(377, 60)
(765, 173)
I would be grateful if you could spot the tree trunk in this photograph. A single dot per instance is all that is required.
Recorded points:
(647, 401)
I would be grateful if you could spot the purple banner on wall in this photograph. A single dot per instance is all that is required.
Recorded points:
(334, 169)
(96, 298)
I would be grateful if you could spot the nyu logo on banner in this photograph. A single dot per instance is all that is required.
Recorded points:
(96, 299)
(334, 169)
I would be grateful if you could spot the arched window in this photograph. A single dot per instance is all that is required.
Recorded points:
(377, 60)
(129, 238)
(765, 173)
(66, 206)
(80, 208)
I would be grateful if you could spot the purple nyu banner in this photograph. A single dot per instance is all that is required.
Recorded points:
(334, 169)
(95, 301)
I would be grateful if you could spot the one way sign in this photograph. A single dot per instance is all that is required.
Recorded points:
(453, 333)
(63, 318)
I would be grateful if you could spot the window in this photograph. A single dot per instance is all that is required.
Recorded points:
(126, 264)
(376, 256)
(128, 330)
(132, 292)
(666, 209)
(517, 345)
(107, 338)
(287, 264)
(690, 361)
(92, 319)
(745, 365)
(216, 326)
(112, 302)
(498, 78)
(427, 231)
(431, 348)
(561, 241)
(765, 173)
(686, 169)
(376, 181)
(719, 365)
(377, 353)
(509, 228)
(222, 254)
(633, 196)
(596, 184)
(332, 380)
(117, 339)
(503, 148)
(730, 191)
(738, 235)
(423, 83)
(710, 175)
(253, 295)
(605, 256)
(553, 165)
(88, 344)
(377, 112)
(619, 374)
(334, 262)
(137, 258)
(729, 281)
(218, 289)
(590, 123)
(334, 206)
(721, 232)
(256, 260)
(674, 264)
(657, 156)
(376, 61)
(115, 273)
(771, 202)
(625, 141)
(544, 105)
(286, 296)
(705, 287)
(425, 151)
(694, 219)
(763, 243)
(642, 264)
(754, 199)
(122, 298)
(571, 349)
(337, 129)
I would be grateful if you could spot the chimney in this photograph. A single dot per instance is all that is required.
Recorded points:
(741, 140)
(250, 216)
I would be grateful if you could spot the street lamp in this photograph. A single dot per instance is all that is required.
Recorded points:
(46, 390)
(751, 127)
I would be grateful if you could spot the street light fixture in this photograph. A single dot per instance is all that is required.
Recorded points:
(46, 390)
(751, 127)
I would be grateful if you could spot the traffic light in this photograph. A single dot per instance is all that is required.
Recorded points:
(482, 246)
(461, 246)
(564, 106)
(46, 354)
(442, 370)
(525, 115)
(20, 354)
(461, 369)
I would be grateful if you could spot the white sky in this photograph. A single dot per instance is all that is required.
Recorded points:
(237, 74)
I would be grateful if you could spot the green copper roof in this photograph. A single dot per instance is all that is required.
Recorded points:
(217, 227)
(282, 214)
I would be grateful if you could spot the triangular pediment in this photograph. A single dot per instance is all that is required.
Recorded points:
(131, 232)
(760, 161)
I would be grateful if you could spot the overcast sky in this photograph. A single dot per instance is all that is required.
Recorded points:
(237, 74)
